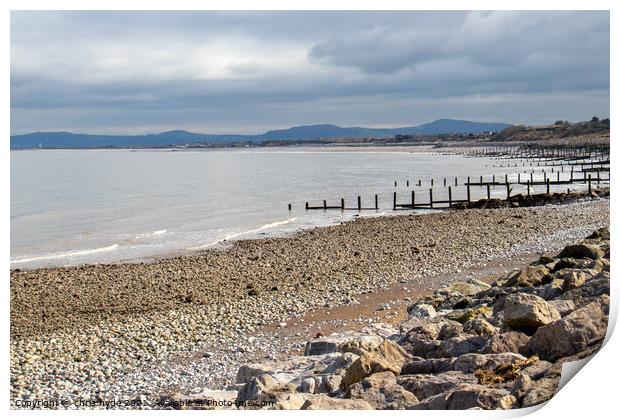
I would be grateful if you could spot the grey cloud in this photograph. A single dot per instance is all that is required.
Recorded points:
(246, 71)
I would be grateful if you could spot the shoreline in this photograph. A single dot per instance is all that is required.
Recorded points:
(115, 342)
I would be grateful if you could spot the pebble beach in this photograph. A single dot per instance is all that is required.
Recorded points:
(134, 331)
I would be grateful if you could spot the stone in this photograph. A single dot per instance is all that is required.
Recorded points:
(464, 397)
(582, 251)
(461, 344)
(571, 334)
(469, 314)
(428, 366)
(257, 386)
(382, 392)
(552, 290)
(425, 385)
(523, 311)
(423, 311)
(469, 287)
(388, 356)
(540, 392)
(481, 327)
(324, 402)
(529, 276)
(337, 341)
(574, 278)
(470, 363)
(588, 291)
(288, 401)
(563, 306)
(507, 342)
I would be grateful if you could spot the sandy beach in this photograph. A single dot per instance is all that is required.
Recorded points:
(137, 330)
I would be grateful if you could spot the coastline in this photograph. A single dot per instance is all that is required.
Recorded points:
(111, 340)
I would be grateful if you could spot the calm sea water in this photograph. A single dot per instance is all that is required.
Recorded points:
(74, 207)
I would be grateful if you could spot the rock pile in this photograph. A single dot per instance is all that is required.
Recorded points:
(470, 345)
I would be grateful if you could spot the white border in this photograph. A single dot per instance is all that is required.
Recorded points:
(592, 394)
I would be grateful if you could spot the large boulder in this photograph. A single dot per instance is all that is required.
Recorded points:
(467, 396)
(582, 251)
(428, 366)
(423, 310)
(335, 342)
(526, 312)
(387, 357)
(425, 385)
(529, 276)
(470, 363)
(461, 344)
(507, 342)
(324, 402)
(571, 334)
(260, 385)
(381, 391)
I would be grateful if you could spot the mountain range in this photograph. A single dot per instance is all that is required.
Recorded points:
(57, 140)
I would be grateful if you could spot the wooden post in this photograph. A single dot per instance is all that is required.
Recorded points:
(548, 187)
(456, 181)
(324, 204)
(289, 206)
(342, 203)
(507, 191)
(419, 182)
(412, 199)
(444, 182)
(571, 174)
(558, 177)
(468, 194)
(519, 178)
(432, 182)
(494, 178)
(306, 205)
(449, 197)
(480, 179)
(359, 202)
(376, 202)
(589, 184)
(506, 178)
(488, 191)
(528, 187)
(407, 182)
(395, 183)
(431, 197)
(394, 206)
(532, 177)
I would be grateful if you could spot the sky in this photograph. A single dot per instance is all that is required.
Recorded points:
(133, 72)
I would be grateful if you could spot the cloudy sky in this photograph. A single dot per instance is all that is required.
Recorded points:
(247, 72)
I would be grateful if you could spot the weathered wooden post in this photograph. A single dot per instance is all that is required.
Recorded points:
(456, 181)
(558, 177)
(412, 199)
(444, 182)
(507, 190)
(449, 197)
(494, 178)
(432, 182)
(324, 204)
(359, 203)
(376, 202)
(528, 188)
(571, 174)
(532, 177)
(306, 205)
(589, 184)
(431, 197)
(506, 178)
(480, 179)
(548, 187)
(342, 203)
(519, 178)
(407, 182)
(395, 183)
(289, 206)
(468, 194)
(488, 191)
(394, 206)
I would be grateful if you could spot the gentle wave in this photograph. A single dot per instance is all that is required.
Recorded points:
(151, 234)
(69, 254)
(247, 232)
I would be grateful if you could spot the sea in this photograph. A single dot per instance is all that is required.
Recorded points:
(71, 207)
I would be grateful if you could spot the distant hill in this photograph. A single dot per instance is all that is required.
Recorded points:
(57, 140)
